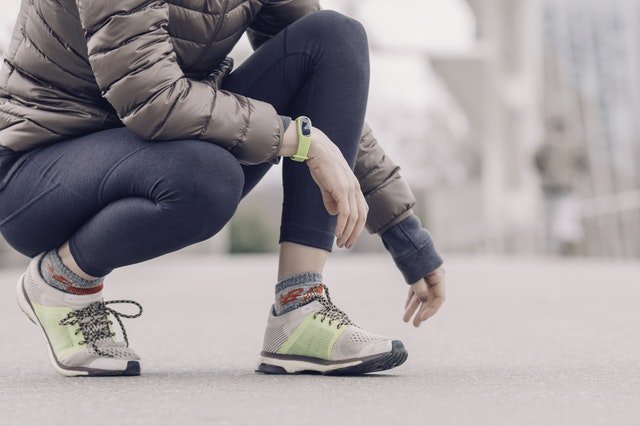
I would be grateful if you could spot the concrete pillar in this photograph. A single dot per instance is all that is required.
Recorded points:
(498, 84)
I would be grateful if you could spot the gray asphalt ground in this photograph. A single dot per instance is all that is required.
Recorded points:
(520, 342)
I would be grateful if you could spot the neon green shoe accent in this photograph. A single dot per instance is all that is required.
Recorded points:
(63, 338)
(314, 337)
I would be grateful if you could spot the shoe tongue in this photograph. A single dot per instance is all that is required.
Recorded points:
(78, 301)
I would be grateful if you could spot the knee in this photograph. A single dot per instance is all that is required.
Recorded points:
(340, 32)
(336, 24)
(204, 189)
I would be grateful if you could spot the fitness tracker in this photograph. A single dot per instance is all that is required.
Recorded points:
(303, 125)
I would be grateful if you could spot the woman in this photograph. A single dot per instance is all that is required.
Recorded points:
(125, 136)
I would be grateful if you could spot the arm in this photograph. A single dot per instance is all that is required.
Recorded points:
(390, 203)
(277, 15)
(137, 71)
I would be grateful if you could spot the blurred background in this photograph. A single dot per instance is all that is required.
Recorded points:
(513, 121)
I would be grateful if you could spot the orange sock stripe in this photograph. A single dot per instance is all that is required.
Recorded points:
(300, 294)
(83, 291)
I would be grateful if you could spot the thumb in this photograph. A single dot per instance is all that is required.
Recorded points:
(329, 203)
(421, 290)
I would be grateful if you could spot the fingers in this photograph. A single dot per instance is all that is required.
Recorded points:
(363, 210)
(328, 201)
(342, 202)
(409, 296)
(421, 289)
(411, 308)
(351, 221)
(358, 217)
(437, 298)
(413, 300)
(426, 297)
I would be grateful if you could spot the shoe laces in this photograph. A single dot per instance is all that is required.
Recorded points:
(93, 322)
(329, 310)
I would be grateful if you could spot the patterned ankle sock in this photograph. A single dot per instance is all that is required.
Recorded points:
(295, 291)
(57, 275)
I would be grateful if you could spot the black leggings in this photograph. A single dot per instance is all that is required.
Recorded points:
(121, 200)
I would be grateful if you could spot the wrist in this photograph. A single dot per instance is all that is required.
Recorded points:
(289, 142)
(303, 130)
(317, 147)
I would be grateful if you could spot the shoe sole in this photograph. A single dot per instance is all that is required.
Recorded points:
(132, 369)
(291, 364)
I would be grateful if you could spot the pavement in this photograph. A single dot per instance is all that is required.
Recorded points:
(519, 342)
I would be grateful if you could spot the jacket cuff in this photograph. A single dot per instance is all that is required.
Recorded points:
(412, 249)
(261, 138)
(286, 121)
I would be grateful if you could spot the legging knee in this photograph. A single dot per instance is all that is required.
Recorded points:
(202, 192)
(344, 39)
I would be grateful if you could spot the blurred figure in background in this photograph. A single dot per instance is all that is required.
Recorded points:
(561, 163)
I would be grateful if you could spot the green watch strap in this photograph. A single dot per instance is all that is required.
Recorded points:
(303, 125)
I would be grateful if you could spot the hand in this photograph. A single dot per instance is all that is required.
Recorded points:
(340, 188)
(426, 296)
(341, 193)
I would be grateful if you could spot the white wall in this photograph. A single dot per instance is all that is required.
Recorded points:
(8, 16)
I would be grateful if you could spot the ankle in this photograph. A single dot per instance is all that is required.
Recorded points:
(57, 275)
(297, 259)
(296, 291)
(67, 259)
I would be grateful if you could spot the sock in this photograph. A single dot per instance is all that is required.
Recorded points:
(58, 276)
(295, 291)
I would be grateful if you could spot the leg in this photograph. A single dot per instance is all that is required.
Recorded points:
(119, 200)
(317, 67)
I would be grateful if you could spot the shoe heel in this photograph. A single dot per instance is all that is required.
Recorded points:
(23, 303)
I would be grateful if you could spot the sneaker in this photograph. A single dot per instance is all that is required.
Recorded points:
(80, 339)
(319, 338)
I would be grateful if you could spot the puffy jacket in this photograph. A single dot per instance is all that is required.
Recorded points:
(80, 66)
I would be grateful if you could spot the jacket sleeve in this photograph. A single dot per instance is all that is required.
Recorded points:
(388, 195)
(277, 15)
(136, 68)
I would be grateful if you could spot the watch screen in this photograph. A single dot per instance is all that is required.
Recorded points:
(305, 127)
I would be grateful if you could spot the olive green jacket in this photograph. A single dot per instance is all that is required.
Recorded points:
(80, 66)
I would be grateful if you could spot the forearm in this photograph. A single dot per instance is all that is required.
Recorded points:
(391, 215)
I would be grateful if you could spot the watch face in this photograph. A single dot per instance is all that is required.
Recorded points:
(305, 126)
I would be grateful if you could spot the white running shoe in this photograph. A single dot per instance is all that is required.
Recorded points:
(320, 338)
(80, 339)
